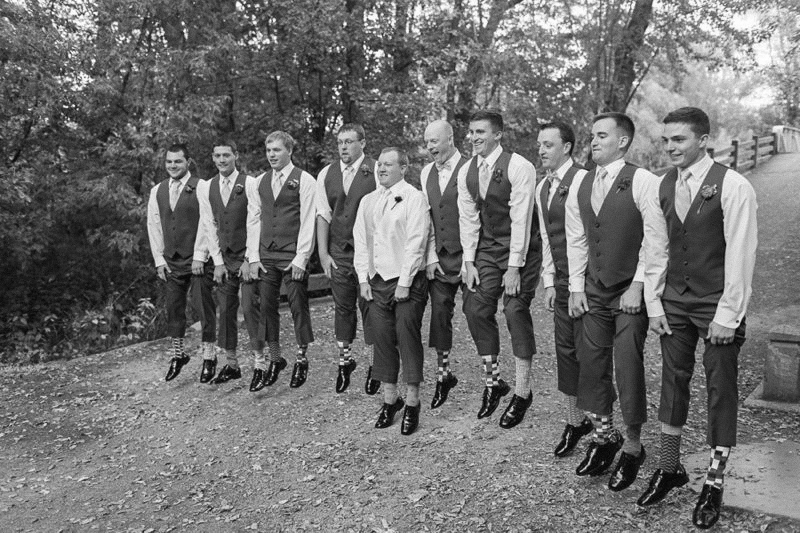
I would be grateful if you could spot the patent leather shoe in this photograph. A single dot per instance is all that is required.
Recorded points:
(299, 374)
(491, 398)
(410, 419)
(600, 456)
(343, 376)
(515, 411)
(387, 412)
(259, 380)
(227, 373)
(706, 512)
(571, 436)
(443, 389)
(208, 371)
(626, 471)
(273, 370)
(660, 485)
(371, 386)
(175, 366)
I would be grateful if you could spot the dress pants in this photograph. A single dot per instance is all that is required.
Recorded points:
(611, 341)
(397, 329)
(480, 308)
(269, 287)
(565, 331)
(347, 300)
(443, 289)
(180, 282)
(228, 299)
(689, 317)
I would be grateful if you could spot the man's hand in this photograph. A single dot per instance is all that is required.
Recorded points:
(631, 300)
(550, 298)
(297, 272)
(255, 269)
(162, 272)
(660, 326)
(720, 334)
(219, 274)
(366, 291)
(472, 279)
(511, 281)
(197, 267)
(432, 269)
(244, 272)
(578, 304)
(401, 293)
(328, 264)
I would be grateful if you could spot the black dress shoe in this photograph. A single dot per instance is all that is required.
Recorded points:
(227, 373)
(410, 420)
(571, 436)
(491, 398)
(259, 380)
(626, 471)
(515, 411)
(273, 370)
(343, 376)
(706, 512)
(208, 371)
(175, 366)
(660, 485)
(387, 412)
(600, 456)
(371, 386)
(443, 389)
(299, 374)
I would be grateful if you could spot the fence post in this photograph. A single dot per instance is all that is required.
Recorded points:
(755, 151)
(774, 143)
(735, 154)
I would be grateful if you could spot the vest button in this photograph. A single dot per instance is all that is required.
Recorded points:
(684, 247)
(684, 232)
(686, 263)
(686, 278)
(597, 241)
(598, 254)
(596, 224)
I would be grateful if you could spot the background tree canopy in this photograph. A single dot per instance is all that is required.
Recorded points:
(93, 91)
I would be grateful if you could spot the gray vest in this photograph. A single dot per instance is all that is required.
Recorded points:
(280, 217)
(230, 220)
(345, 207)
(444, 209)
(554, 221)
(179, 227)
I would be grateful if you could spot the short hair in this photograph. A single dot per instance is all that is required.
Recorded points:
(357, 128)
(695, 117)
(494, 118)
(179, 147)
(622, 121)
(565, 131)
(230, 143)
(287, 140)
(402, 156)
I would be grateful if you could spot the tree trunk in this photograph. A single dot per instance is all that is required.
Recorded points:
(626, 56)
(353, 82)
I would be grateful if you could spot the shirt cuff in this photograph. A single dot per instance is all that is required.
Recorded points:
(547, 281)
(160, 262)
(405, 280)
(727, 319)
(362, 278)
(201, 256)
(300, 261)
(654, 309)
(218, 261)
(324, 216)
(469, 255)
(516, 260)
(577, 285)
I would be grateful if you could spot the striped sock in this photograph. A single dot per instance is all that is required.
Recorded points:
(491, 370)
(574, 415)
(232, 358)
(443, 359)
(301, 353)
(344, 352)
(633, 440)
(670, 448)
(716, 469)
(274, 351)
(259, 360)
(603, 426)
(177, 346)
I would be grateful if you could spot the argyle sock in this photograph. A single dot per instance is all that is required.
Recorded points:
(443, 358)
(232, 359)
(491, 370)
(301, 353)
(209, 353)
(412, 394)
(274, 351)
(603, 426)
(259, 360)
(670, 448)
(345, 351)
(716, 469)
(522, 387)
(574, 415)
(390, 393)
(177, 346)
(633, 440)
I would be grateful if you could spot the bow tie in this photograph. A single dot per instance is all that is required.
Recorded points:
(550, 176)
(440, 168)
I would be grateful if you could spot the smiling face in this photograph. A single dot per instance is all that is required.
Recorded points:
(684, 147)
(177, 164)
(225, 159)
(390, 171)
(439, 142)
(483, 137)
(609, 142)
(552, 150)
(350, 146)
(278, 155)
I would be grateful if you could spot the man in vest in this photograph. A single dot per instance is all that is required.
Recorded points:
(390, 237)
(280, 239)
(223, 219)
(340, 188)
(710, 212)
(556, 141)
(499, 233)
(440, 186)
(181, 255)
(612, 223)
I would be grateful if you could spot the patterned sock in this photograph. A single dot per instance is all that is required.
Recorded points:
(633, 440)
(344, 352)
(670, 448)
(259, 360)
(232, 359)
(301, 353)
(177, 346)
(522, 387)
(443, 358)
(603, 426)
(716, 469)
(390, 393)
(574, 415)
(274, 351)
(209, 353)
(412, 394)
(491, 370)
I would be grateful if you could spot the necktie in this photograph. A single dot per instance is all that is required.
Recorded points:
(483, 178)
(683, 195)
(383, 204)
(277, 184)
(174, 193)
(551, 177)
(349, 174)
(599, 189)
(226, 190)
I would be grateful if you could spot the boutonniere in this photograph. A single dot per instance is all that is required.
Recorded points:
(707, 192)
(623, 184)
(397, 200)
(365, 170)
(293, 184)
(497, 175)
(188, 189)
(562, 192)
(239, 189)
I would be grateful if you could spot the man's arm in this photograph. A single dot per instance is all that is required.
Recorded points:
(469, 228)
(577, 249)
(305, 237)
(522, 176)
(655, 245)
(548, 265)
(324, 216)
(154, 231)
(417, 222)
(361, 245)
(254, 225)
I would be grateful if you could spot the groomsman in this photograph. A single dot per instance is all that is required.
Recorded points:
(280, 239)
(223, 219)
(390, 236)
(340, 189)
(710, 213)
(613, 222)
(556, 141)
(502, 256)
(180, 254)
(440, 185)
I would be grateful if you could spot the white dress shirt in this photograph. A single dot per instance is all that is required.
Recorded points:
(305, 237)
(644, 188)
(740, 228)
(522, 176)
(207, 224)
(321, 195)
(548, 265)
(390, 233)
(155, 232)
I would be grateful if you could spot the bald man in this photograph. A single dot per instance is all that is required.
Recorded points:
(439, 181)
